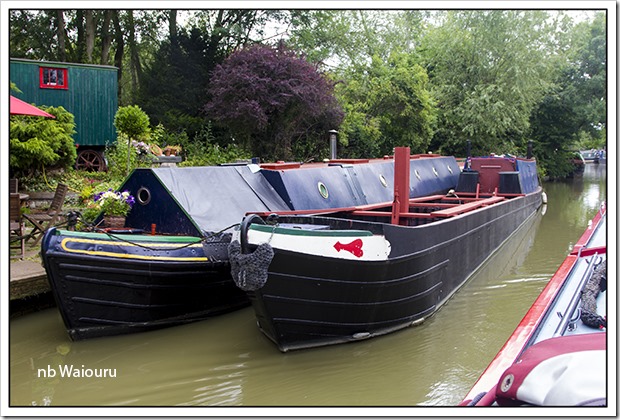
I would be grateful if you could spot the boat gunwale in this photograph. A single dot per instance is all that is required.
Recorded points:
(526, 330)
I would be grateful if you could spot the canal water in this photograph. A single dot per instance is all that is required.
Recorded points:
(226, 361)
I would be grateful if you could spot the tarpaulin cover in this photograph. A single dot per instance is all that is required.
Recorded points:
(359, 184)
(527, 175)
(195, 200)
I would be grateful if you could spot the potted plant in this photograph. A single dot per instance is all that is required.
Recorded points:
(115, 206)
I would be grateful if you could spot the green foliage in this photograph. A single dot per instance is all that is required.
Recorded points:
(204, 151)
(488, 69)
(131, 121)
(36, 142)
(387, 104)
(117, 158)
(572, 114)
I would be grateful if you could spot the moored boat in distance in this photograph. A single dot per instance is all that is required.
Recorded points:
(342, 275)
(557, 355)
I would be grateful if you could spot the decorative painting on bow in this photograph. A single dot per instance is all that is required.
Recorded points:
(354, 247)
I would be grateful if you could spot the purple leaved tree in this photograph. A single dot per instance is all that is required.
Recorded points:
(275, 103)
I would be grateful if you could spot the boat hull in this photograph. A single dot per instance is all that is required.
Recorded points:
(311, 300)
(552, 317)
(106, 287)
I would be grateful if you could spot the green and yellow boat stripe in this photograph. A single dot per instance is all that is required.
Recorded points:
(65, 245)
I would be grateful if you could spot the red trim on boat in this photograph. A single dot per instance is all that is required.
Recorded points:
(519, 338)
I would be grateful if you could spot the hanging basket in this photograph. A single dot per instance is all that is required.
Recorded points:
(114, 221)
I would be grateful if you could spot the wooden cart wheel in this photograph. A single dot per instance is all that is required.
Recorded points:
(91, 160)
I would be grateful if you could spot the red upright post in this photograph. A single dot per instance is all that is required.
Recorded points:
(401, 178)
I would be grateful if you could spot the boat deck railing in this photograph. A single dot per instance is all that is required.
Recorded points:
(421, 210)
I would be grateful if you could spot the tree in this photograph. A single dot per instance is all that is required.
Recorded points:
(36, 142)
(132, 122)
(488, 70)
(575, 108)
(274, 102)
(388, 104)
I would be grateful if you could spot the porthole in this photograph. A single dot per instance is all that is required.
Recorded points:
(143, 196)
(417, 174)
(435, 172)
(323, 190)
(449, 168)
(383, 180)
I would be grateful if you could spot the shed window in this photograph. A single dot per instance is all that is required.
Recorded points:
(53, 78)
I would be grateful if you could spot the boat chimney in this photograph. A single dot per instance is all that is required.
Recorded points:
(529, 149)
(468, 148)
(401, 177)
(333, 143)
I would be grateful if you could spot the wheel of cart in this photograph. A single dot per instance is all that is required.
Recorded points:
(91, 160)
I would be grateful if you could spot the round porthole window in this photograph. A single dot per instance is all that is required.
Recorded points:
(435, 172)
(143, 196)
(323, 190)
(449, 168)
(383, 180)
(417, 174)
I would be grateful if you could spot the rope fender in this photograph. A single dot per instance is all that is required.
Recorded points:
(596, 284)
(249, 271)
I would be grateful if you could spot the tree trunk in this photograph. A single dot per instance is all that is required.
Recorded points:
(79, 23)
(172, 25)
(106, 40)
(89, 28)
(120, 47)
(60, 33)
(134, 58)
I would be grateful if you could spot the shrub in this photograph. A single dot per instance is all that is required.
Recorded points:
(36, 143)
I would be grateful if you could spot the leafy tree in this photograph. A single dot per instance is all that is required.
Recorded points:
(36, 142)
(274, 103)
(388, 104)
(133, 123)
(573, 112)
(350, 38)
(488, 70)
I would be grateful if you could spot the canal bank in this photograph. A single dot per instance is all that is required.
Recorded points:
(29, 290)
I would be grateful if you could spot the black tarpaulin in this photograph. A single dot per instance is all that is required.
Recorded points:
(195, 200)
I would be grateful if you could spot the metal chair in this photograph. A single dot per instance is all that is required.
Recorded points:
(16, 223)
(43, 221)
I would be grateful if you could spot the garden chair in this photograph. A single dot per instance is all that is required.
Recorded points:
(16, 225)
(43, 221)
(13, 185)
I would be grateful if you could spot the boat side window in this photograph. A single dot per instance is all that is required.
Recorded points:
(144, 196)
(323, 190)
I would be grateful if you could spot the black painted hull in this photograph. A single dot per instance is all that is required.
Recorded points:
(101, 295)
(311, 301)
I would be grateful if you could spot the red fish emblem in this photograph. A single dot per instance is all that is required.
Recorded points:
(354, 247)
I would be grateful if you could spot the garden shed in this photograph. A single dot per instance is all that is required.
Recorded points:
(87, 91)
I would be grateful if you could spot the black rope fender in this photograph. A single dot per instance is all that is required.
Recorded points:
(249, 270)
(596, 283)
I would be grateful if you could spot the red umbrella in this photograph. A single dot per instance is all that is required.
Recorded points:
(19, 107)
